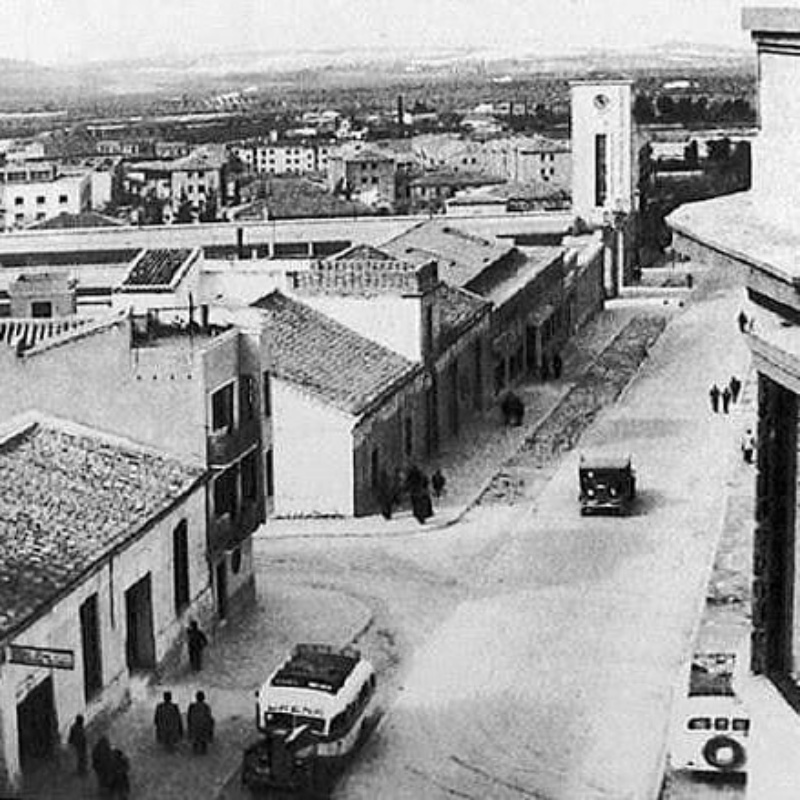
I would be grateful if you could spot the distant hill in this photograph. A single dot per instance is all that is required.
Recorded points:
(26, 85)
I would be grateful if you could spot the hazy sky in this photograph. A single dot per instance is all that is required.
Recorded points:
(53, 31)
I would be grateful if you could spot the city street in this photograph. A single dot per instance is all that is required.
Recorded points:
(531, 652)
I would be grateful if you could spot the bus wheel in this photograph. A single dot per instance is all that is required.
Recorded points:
(724, 753)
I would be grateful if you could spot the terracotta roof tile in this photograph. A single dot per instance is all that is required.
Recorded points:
(156, 267)
(327, 358)
(69, 498)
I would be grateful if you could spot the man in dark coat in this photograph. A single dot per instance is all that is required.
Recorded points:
(726, 399)
(200, 724)
(120, 782)
(168, 722)
(196, 642)
(77, 741)
(101, 762)
(714, 394)
(735, 386)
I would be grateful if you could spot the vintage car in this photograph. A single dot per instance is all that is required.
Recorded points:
(607, 484)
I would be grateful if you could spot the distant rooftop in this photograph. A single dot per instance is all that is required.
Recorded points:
(71, 497)
(460, 256)
(328, 359)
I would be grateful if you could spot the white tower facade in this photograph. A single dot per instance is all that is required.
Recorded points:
(602, 144)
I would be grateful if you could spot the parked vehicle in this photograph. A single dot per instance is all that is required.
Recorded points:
(712, 727)
(312, 712)
(607, 484)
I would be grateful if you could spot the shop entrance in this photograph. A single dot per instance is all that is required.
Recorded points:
(37, 724)
(140, 644)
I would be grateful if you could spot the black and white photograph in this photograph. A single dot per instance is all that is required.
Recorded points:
(399, 399)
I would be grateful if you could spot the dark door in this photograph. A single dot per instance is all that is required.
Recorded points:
(91, 646)
(452, 397)
(140, 646)
(37, 724)
(222, 589)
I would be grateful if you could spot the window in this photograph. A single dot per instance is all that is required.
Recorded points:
(63, 199)
(250, 476)
(41, 215)
(374, 466)
(40, 200)
(741, 725)
(19, 217)
(600, 168)
(247, 397)
(180, 565)
(699, 724)
(222, 408)
(18, 201)
(270, 476)
(91, 646)
(225, 499)
(721, 724)
(41, 309)
(267, 398)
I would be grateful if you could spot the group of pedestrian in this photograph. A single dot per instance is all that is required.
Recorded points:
(721, 399)
(110, 765)
(389, 490)
(169, 727)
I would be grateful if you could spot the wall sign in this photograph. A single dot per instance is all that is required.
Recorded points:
(40, 657)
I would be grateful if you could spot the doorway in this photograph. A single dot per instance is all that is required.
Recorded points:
(37, 724)
(140, 645)
(222, 589)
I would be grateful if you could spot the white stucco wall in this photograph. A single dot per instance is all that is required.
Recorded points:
(312, 455)
(391, 320)
(776, 157)
(614, 120)
(60, 628)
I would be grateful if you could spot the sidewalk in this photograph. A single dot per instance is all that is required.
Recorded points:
(239, 659)
(480, 463)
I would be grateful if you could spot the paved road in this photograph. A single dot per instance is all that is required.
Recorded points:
(555, 678)
(532, 653)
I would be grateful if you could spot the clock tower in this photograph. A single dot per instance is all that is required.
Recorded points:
(602, 170)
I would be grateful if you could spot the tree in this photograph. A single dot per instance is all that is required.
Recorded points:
(691, 154)
(643, 111)
(185, 213)
(666, 106)
(719, 150)
(152, 209)
(208, 212)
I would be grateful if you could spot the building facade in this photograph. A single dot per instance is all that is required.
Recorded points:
(756, 233)
(105, 587)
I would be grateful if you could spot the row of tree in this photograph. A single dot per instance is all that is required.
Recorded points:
(690, 110)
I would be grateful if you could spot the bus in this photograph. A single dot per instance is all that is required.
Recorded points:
(312, 711)
(713, 726)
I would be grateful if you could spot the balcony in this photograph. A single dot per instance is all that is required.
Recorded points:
(228, 444)
(229, 530)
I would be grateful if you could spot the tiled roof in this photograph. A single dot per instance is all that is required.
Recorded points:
(86, 219)
(156, 267)
(362, 252)
(458, 309)
(69, 498)
(461, 256)
(328, 359)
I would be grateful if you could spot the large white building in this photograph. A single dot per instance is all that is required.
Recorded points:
(35, 191)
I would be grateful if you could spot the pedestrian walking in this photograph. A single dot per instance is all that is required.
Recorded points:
(438, 483)
(387, 493)
(736, 387)
(120, 781)
(77, 741)
(748, 446)
(200, 724)
(726, 400)
(557, 366)
(196, 642)
(417, 486)
(168, 722)
(742, 318)
(102, 762)
(714, 394)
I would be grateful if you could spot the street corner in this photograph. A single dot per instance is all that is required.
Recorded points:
(298, 613)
